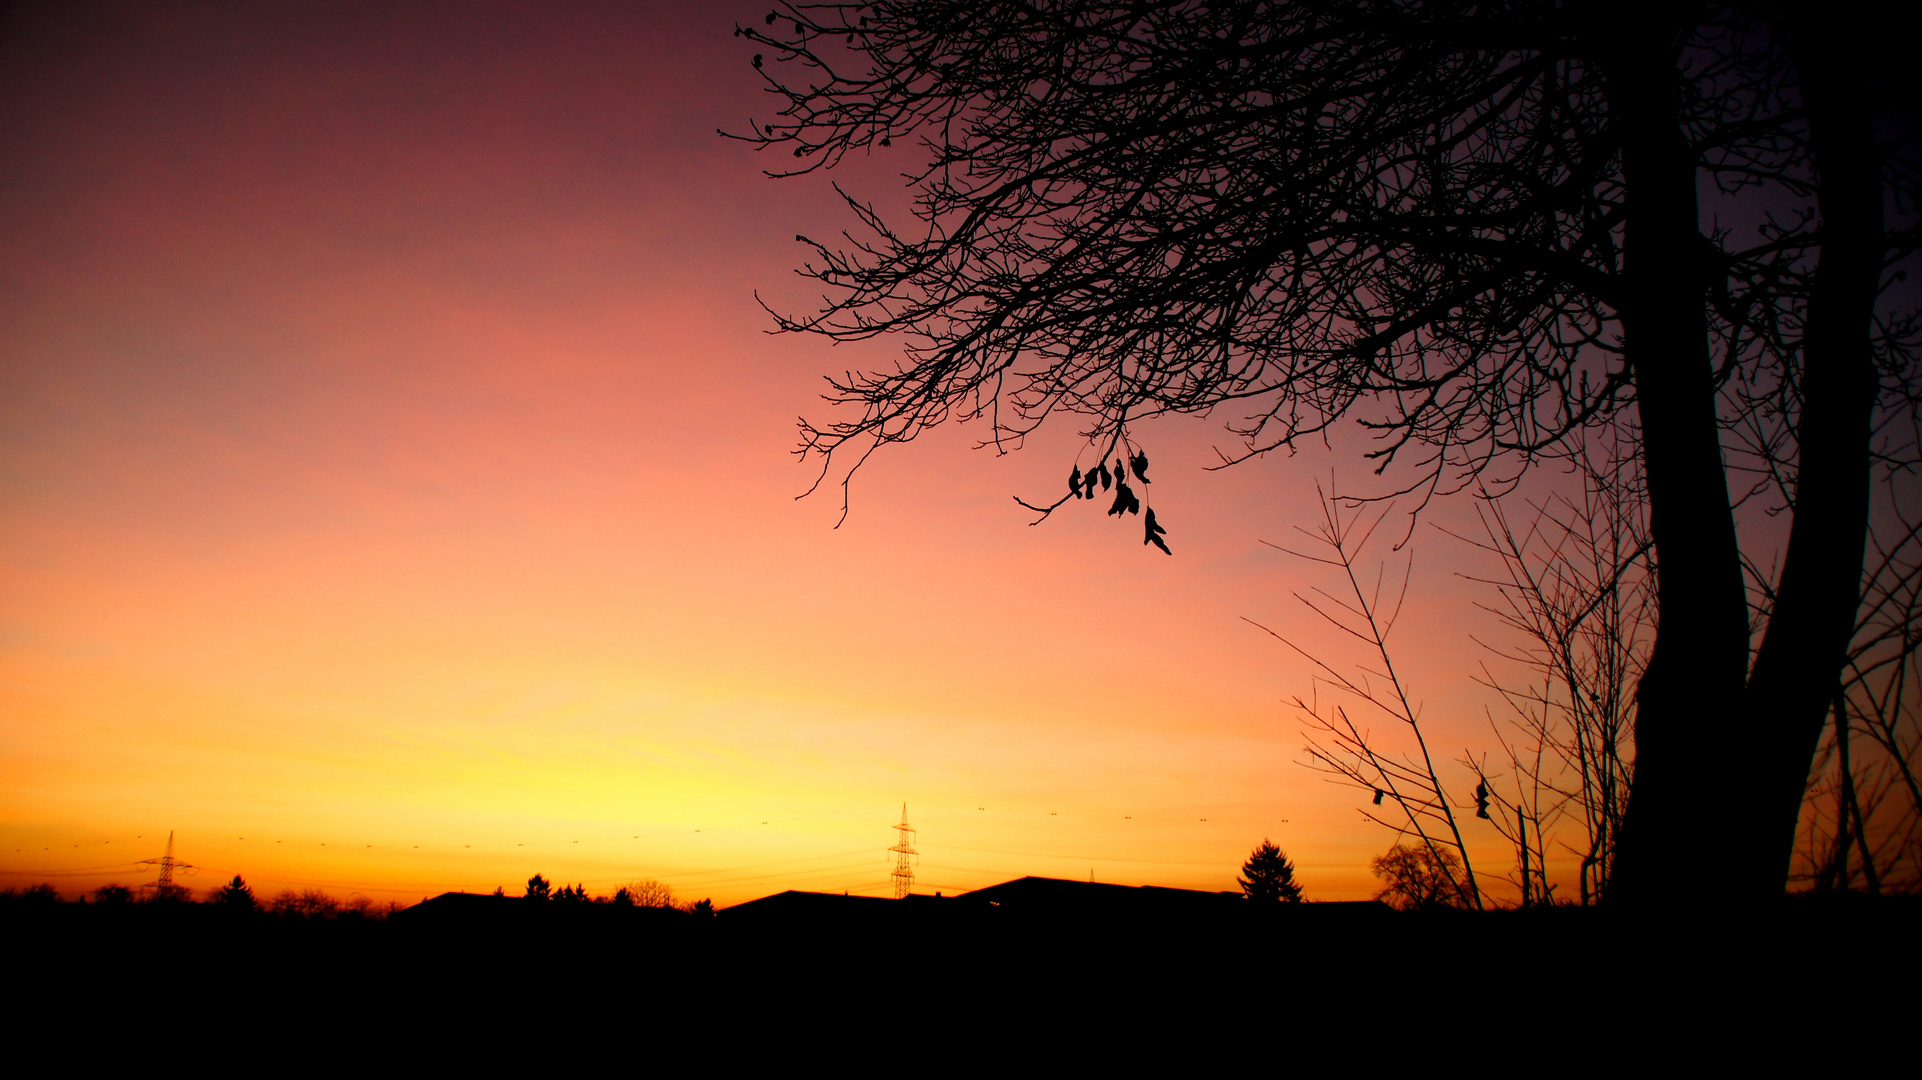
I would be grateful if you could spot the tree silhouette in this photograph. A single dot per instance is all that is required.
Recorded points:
(113, 895)
(647, 892)
(1269, 877)
(305, 904)
(235, 895)
(538, 888)
(1419, 877)
(1476, 229)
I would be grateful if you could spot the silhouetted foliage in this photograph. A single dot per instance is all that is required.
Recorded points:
(622, 898)
(235, 895)
(538, 888)
(113, 895)
(1268, 876)
(1419, 877)
(570, 894)
(1478, 229)
(42, 893)
(703, 907)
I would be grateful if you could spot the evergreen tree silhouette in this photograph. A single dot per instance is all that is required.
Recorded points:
(235, 895)
(1269, 876)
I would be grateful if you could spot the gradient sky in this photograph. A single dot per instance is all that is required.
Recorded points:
(396, 496)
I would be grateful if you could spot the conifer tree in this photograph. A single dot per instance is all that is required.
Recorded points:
(1269, 876)
(235, 894)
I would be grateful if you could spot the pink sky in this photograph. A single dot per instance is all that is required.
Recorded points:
(395, 473)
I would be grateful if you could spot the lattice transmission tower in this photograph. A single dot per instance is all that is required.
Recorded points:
(164, 888)
(903, 876)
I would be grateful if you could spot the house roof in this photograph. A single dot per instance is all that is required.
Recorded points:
(1061, 894)
(465, 907)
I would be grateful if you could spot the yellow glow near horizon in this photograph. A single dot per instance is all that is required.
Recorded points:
(395, 497)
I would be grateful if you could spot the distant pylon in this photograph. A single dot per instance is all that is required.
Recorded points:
(165, 886)
(903, 876)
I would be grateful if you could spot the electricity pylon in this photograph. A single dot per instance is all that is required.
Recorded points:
(903, 876)
(165, 888)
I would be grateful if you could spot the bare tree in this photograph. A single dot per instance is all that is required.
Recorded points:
(1863, 820)
(1477, 229)
(1418, 877)
(304, 904)
(647, 892)
(1345, 749)
(1577, 591)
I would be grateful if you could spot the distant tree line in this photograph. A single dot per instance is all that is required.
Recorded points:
(640, 893)
(312, 903)
(235, 896)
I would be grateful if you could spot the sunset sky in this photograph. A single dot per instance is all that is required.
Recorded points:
(396, 496)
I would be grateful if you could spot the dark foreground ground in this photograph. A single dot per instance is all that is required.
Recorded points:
(1539, 991)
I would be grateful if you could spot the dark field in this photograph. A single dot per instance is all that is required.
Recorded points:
(1551, 981)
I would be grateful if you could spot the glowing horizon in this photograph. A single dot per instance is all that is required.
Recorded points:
(398, 499)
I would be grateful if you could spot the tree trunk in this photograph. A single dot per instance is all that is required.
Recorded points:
(1801, 656)
(1693, 685)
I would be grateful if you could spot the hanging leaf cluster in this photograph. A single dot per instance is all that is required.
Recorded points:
(1084, 485)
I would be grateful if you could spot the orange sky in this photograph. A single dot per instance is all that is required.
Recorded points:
(395, 496)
